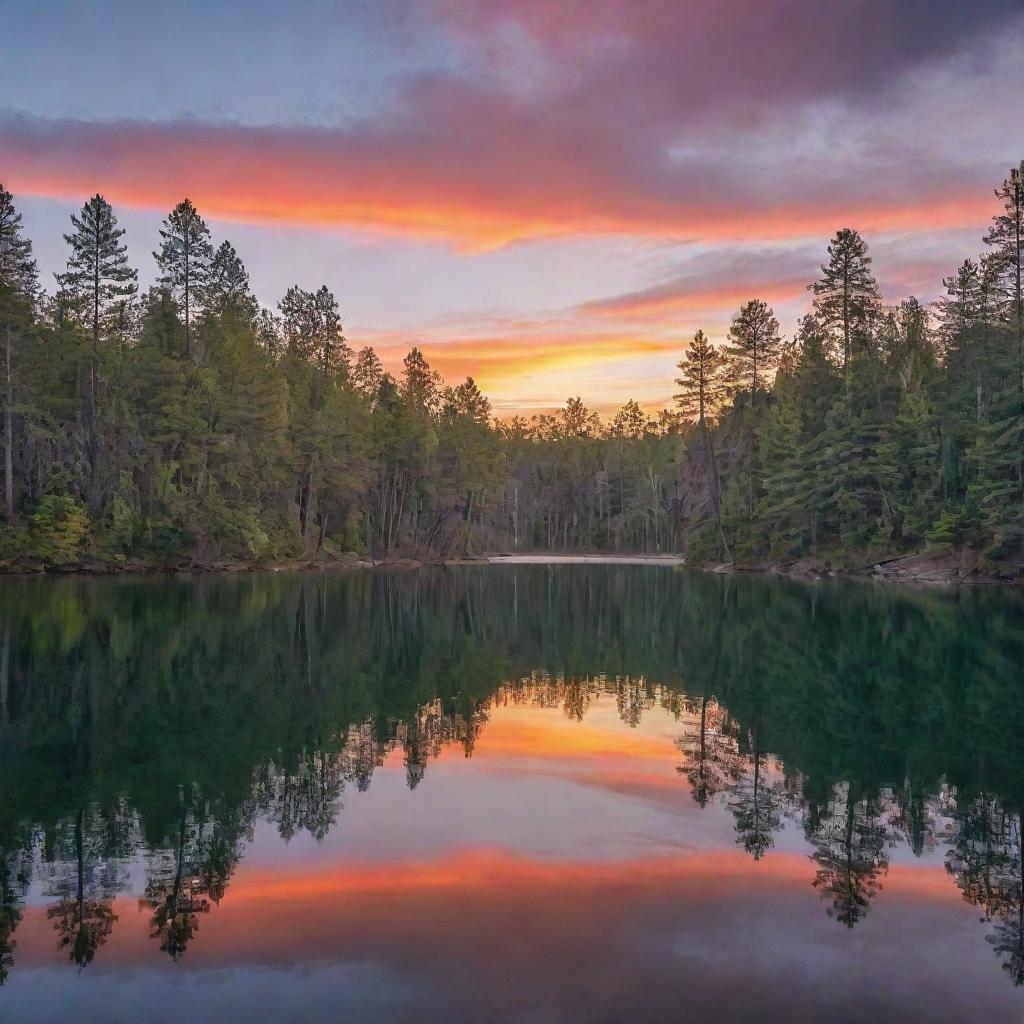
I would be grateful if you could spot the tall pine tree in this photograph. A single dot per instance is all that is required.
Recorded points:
(702, 389)
(1006, 237)
(755, 342)
(184, 259)
(18, 284)
(846, 296)
(98, 281)
(227, 286)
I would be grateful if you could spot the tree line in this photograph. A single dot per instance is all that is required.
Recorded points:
(189, 424)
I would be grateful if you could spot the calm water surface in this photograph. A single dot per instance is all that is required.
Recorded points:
(525, 794)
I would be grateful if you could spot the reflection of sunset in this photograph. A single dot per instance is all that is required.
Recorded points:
(334, 907)
(461, 803)
(480, 870)
(515, 733)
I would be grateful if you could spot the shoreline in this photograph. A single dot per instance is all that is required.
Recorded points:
(542, 559)
(952, 568)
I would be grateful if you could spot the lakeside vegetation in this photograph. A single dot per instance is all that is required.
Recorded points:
(189, 425)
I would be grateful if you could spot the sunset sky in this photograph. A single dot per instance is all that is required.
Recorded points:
(550, 196)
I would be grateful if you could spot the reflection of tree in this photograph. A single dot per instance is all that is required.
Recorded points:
(306, 799)
(13, 883)
(421, 742)
(86, 879)
(181, 886)
(755, 801)
(915, 817)
(126, 688)
(985, 859)
(849, 841)
(576, 702)
(431, 728)
(632, 697)
(363, 752)
(711, 760)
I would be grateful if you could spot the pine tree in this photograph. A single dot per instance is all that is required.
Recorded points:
(18, 273)
(227, 286)
(755, 347)
(630, 422)
(420, 385)
(98, 282)
(999, 452)
(846, 295)
(367, 373)
(312, 328)
(961, 336)
(958, 315)
(799, 480)
(184, 259)
(467, 400)
(702, 384)
(578, 421)
(18, 285)
(756, 343)
(1006, 237)
(467, 458)
(702, 389)
(787, 509)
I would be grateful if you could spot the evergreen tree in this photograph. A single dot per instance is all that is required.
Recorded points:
(846, 296)
(367, 374)
(629, 422)
(98, 282)
(420, 385)
(184, 259)
(756, 342)
(958, 312)
(1006, 237)
(467, 400)
(312, 329)
(227, 286)
(577, 421)
(702, 389)
(18, 284)
(798, 479)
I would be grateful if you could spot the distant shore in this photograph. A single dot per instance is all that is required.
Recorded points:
(944, 568)
(542, 559)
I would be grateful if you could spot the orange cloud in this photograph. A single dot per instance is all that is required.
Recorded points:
(493, 360)
(416, 185)
(680, 299)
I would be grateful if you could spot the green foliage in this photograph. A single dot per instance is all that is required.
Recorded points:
(196, 427)
(58, 529)
(124, 516)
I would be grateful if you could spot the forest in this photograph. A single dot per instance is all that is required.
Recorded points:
(189, 425)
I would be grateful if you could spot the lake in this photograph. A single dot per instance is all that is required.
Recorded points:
(509, 793)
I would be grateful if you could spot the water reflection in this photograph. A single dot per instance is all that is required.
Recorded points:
(149, 728)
